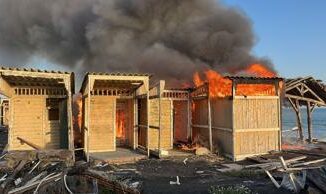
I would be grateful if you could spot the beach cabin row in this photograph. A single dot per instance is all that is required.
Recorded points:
(122, 110)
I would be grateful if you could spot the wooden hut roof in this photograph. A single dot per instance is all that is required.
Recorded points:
(306, 89)
(33, 70)
(126, 82)
(118, 74)
(37, 77)
(251, 78)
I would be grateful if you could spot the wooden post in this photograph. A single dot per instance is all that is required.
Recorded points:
(280, 111)
(172, 122)
(148, 108)
(299, 121)
(189, 113)
(209, 123)
(309, 122)
(135, 127)
(159, 120)
(88, 115)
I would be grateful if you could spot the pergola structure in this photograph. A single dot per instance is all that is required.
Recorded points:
(115, 110)
(305, 92)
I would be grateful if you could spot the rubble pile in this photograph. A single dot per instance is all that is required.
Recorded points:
(54, 171)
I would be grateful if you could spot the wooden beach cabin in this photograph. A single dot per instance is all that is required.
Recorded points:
(115, 111)
(170, 115)
(245, 122)
(40, 108)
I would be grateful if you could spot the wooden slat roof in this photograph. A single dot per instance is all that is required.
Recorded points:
(33, 70)
(33, 81)
(37, 77)
(118, 74)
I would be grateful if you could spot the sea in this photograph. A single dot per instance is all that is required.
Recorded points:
(318, 121)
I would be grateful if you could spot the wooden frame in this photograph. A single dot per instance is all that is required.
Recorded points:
(112, 86)
(163, 104)
(305, 92)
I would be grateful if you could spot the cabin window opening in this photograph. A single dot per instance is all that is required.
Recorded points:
(53, 109)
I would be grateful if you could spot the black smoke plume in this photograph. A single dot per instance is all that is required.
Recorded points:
(168, 38)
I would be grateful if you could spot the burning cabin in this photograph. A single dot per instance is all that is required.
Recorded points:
(37, 107)
(115, 112)
(170, 115)
(239, 117)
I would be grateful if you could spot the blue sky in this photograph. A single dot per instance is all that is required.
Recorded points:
(292, 33)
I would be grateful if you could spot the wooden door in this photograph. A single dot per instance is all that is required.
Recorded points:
(180, 120)
(52, 124)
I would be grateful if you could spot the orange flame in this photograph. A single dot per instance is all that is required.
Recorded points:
(120, 124)
(259, 71)
(219, 86)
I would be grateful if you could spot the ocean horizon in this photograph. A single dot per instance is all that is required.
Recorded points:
(289, 121)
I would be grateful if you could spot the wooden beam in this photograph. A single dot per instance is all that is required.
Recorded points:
(299, 122)
(210, 135)
(313, 93)
(189, 118)
(148, 118)
(309, 122)
(293, 105)
(321, 103)
(29, 143)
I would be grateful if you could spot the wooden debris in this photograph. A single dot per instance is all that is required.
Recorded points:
(34, 184)
(13, 175)
(29, 143)
(310, 162)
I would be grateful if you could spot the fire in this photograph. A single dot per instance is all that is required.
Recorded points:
(259, 71)
(77, 119)
(77, 111)
(120, 124)
(219, 86)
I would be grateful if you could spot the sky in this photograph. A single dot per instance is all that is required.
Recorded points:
(292, 33)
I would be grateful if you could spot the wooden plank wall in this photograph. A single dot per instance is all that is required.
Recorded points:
(223, 141)
(200, 117)
(28, 114)
(142, 120)
(221, 113)
(255, 142)
(256, 126)
(222, 125)
(256, 113)
(166, 123)
(180, 109)
(153, 132)
(130, 122)
(102, 119)
(85, 123)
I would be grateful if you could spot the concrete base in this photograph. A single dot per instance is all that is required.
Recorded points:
(120, 156)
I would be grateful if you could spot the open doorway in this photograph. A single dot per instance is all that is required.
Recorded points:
(124, 120)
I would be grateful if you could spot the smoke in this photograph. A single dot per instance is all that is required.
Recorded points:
(168, 38)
